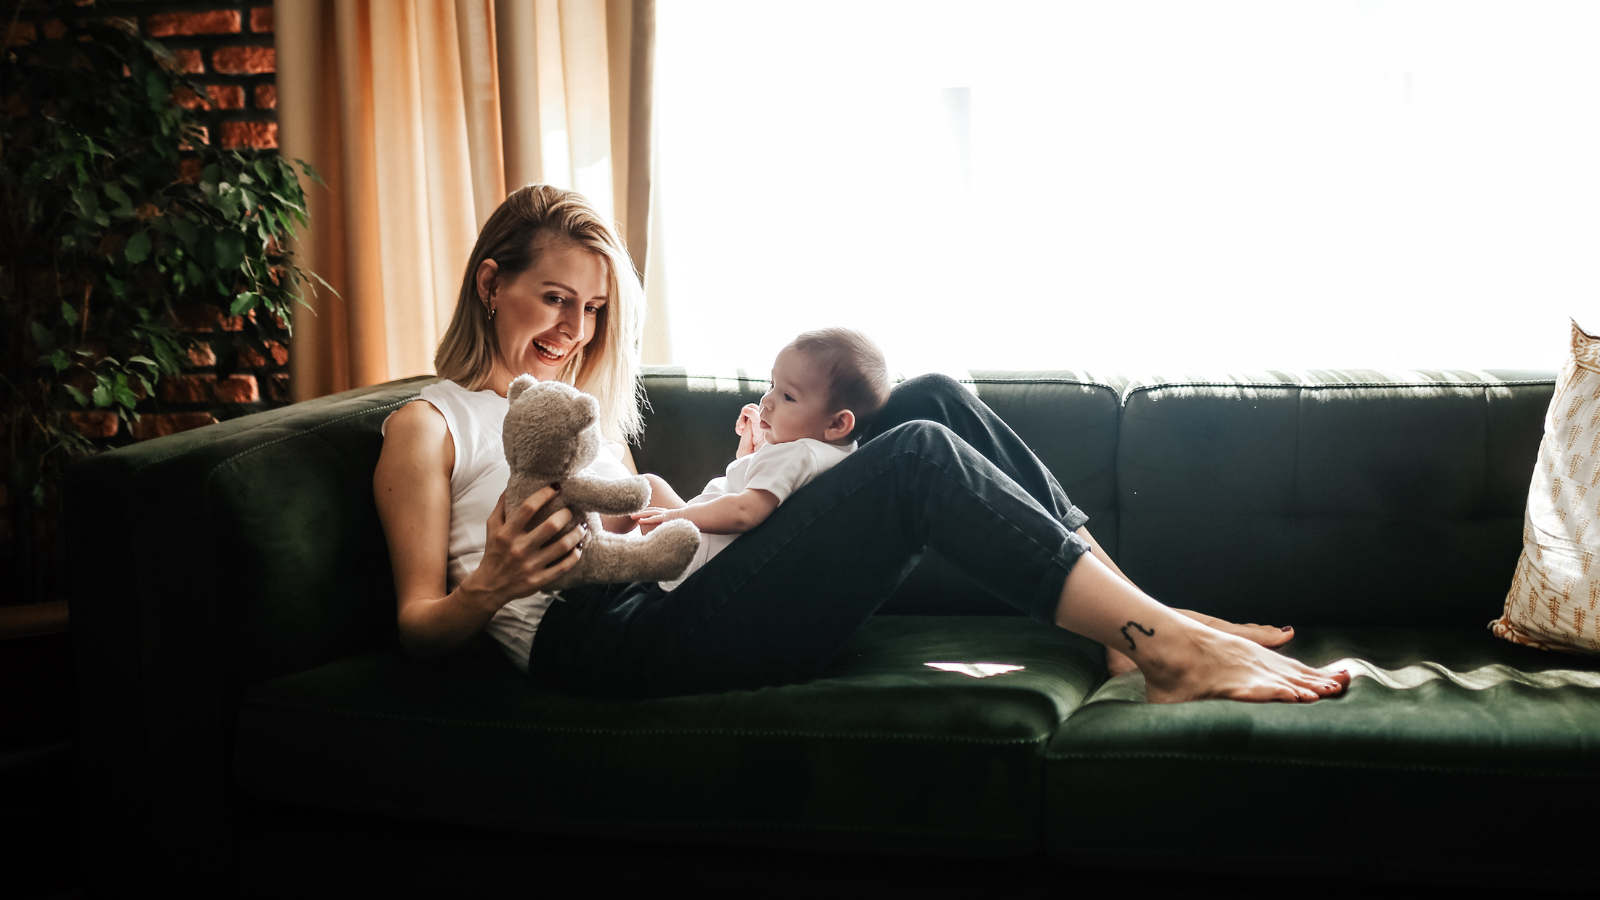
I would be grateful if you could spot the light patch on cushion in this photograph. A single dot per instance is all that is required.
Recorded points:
(975, 670)
(1475, 680)
(1129, 686)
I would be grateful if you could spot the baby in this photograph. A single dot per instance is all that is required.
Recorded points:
(826, 385)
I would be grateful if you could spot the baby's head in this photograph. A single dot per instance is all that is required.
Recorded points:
(826, 385)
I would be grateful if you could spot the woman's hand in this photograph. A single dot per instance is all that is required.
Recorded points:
(748, 428)
(519, 560)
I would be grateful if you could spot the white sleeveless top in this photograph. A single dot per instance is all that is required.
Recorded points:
(475, 420)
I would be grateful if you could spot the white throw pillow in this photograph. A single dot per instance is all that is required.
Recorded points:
(1554, 594)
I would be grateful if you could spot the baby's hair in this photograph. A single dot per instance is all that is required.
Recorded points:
(858, 376)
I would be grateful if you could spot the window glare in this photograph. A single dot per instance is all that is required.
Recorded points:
(1132, 186)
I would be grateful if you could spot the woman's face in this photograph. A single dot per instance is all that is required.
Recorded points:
(547, 313)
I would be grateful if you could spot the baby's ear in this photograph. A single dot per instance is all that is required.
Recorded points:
(840, 426)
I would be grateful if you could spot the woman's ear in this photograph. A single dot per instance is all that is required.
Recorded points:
(840, 426)
(486, 278)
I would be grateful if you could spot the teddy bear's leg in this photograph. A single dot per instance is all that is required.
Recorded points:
(660, 557)
(665, 553)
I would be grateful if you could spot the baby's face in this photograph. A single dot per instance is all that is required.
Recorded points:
(795, 406)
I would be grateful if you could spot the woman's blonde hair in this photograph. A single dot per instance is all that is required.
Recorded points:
(608, 366)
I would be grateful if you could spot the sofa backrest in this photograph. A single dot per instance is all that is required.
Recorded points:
(1335, 497)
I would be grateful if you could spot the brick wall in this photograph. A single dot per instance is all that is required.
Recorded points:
(235, 367)
(228, 47)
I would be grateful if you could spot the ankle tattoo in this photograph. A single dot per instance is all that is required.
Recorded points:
(1140, 628)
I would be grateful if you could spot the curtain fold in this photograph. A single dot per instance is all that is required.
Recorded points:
(420, 114)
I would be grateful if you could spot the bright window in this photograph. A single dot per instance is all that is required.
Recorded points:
(1132, 186)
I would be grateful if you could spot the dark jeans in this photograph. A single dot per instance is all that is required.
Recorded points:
(939, 470)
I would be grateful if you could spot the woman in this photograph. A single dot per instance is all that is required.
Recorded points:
(549, 291)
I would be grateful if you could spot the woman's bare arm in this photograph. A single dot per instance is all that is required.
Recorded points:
(412, 490)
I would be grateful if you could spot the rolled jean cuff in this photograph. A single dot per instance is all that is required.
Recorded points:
(1048, 595)
(1075, 518)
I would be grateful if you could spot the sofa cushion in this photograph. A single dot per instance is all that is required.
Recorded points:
(1457, 731)
(1342, 498)
(881, 754)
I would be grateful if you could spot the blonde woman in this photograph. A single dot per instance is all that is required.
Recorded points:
(549, 291)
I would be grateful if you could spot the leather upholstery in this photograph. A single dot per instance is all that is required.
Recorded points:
(1335, 497)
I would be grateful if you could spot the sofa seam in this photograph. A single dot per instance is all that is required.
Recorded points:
(1480, 385)
(970, 380)
(650, 732)
(1311, 763)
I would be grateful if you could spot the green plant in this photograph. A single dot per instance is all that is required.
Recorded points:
(113, 213)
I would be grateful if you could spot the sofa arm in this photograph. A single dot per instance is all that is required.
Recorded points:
(204, 563)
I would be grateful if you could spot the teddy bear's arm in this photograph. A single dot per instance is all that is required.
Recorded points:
(607, 496)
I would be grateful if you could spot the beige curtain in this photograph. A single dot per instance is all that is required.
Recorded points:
(420, 114)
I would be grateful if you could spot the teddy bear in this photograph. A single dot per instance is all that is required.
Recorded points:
(551, 434)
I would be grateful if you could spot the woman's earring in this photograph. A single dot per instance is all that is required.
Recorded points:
(491, 315)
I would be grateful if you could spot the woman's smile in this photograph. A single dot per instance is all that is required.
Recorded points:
(549, 350)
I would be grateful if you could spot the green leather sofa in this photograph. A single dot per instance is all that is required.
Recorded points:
(234, 619)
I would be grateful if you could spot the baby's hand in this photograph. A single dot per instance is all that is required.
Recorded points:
(748, 429)
(651, 516)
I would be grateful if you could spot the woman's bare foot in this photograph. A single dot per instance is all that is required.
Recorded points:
(1212, 664)
(1269, 636)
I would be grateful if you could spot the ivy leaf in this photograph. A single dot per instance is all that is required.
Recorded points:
(124, 394)
(284, 200)
(243, 303)
(68, 313)
(102, 391)
(184, 228)
(87, 202)
(143, 361)
(138, 248)
(156, 88)
(42, 338)
(230, 250)
(77, 395)
(120, 198)
(59, 360)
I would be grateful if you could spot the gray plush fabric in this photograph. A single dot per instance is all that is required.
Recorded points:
(552, 433)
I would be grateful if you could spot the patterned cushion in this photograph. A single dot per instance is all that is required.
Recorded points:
(1556, 588)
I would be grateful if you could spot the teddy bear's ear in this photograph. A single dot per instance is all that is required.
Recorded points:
(520, 384)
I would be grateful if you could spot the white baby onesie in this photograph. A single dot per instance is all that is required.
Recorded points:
(779, 468)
